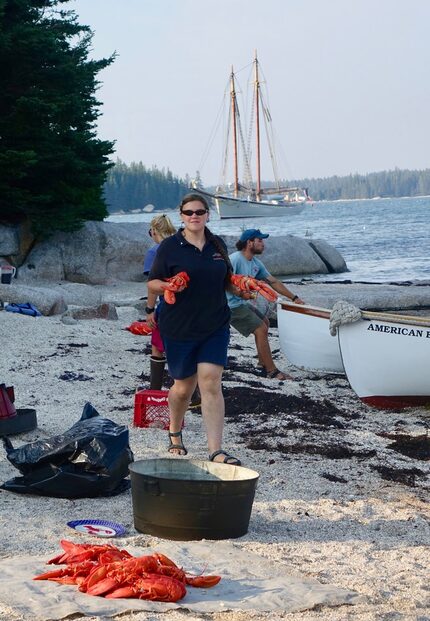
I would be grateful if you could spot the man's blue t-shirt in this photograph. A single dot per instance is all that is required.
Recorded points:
(254, 268)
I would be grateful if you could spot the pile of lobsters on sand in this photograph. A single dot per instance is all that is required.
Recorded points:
(110, 572)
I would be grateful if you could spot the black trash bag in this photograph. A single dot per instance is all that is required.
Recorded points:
(90, 459)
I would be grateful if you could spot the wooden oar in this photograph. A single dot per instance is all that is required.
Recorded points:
(325, 313)
(422, 321)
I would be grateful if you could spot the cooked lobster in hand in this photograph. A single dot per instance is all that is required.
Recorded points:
(177, 283)
(248, 284)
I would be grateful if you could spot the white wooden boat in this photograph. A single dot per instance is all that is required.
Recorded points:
(387, 359)
(305, 339)
(245, 199)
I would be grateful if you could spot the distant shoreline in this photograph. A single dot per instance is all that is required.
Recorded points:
(140, 212)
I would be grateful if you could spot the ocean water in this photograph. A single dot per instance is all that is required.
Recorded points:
(381, 240)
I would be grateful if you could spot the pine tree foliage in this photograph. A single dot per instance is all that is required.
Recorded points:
(52, 165)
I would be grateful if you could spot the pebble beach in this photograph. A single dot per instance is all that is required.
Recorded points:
(343, 489)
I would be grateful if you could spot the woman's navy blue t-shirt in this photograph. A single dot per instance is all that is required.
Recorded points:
(202, 307)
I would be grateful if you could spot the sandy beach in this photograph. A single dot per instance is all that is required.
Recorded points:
(343, 490)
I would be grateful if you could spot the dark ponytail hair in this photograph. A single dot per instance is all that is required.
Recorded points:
(194, 196)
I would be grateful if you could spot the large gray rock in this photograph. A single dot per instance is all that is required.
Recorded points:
(107, 252)
(101, 252)
(48, 302)
(9, 241)
(383, 296)
(103, 311)
(77, 294)
(332, 259)
(289, 254)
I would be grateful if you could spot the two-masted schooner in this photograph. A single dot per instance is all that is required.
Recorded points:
(246, 199)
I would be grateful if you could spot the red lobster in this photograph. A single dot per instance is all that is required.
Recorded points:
(110, 572)
(178, 283)
(246, 283)
(139, 327)
(78, 552)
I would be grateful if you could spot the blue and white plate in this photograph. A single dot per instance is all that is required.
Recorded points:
(97, 528)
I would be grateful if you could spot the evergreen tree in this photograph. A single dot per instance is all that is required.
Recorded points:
(52, 166)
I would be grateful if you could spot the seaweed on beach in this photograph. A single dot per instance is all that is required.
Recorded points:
(70, 376)
(406, 476)
(127, 392)
(416, 447)
(242, 367)
(333, 478)
(330, 451)
(243, 401)
(63, 349)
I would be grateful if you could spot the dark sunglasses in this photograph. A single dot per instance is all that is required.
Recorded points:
(150, 232)
(198, 212)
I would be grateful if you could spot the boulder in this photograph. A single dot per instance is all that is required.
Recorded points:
(48, 302)
(288, 254)
(9, 241)
(107, 252)
(370, 296)
(78, 294)
(99, 253)
(103, 311)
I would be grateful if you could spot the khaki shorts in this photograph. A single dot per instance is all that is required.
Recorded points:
(246, 319)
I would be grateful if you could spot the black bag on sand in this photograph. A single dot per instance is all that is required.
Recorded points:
(90, 459)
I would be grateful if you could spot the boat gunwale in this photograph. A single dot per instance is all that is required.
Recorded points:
(304, 309)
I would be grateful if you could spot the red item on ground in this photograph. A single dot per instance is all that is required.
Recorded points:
(151, 409)
(107, 571)
(139, 327)
(7, 409)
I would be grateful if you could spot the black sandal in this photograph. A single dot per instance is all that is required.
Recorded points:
(227, 458)
(180, 446)
(274, 375)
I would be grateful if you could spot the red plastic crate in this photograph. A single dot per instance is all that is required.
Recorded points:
(151, 409)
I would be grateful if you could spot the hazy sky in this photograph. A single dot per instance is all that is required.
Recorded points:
(348, 80)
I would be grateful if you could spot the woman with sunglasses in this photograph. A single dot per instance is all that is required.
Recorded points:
(160, 228)
(195, 329)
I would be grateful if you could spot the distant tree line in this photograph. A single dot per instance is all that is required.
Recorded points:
(134, 186)
(130, 187)
(391, 183)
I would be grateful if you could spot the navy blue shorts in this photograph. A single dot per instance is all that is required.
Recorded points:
(184, 356)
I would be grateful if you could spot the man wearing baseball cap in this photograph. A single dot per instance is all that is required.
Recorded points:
(245, 317)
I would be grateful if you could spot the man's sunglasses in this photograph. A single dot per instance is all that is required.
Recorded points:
(198, 212)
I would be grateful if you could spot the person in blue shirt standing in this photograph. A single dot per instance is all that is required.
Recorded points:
(245, 317)
(160, 228)
(196, 328)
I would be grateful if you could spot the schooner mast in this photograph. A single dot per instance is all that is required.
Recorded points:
(234, 122)
(257, 125)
